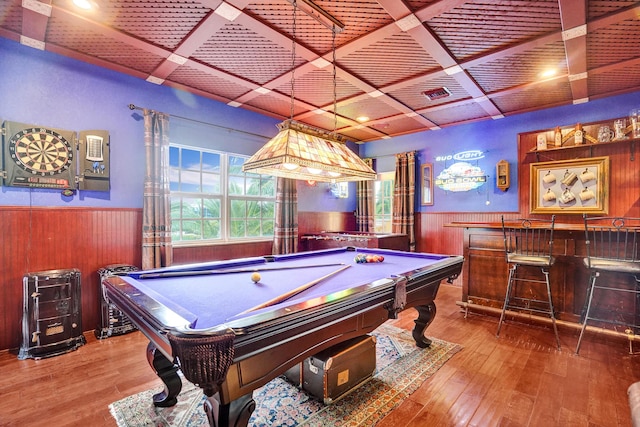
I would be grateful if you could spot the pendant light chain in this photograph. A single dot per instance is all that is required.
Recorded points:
(335, 93)
(311, 153)
(293, 57)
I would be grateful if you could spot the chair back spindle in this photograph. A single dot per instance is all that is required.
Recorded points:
(528, 243)
(611, 247)
(528, 238)
(614, 239)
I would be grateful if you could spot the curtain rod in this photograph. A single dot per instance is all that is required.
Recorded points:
(395, 154)
(135, 107)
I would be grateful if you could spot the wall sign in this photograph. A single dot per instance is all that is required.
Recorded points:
(463, 174)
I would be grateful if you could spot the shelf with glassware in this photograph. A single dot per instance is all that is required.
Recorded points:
(616, 131)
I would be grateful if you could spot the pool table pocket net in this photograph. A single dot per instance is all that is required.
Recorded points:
(204, 360)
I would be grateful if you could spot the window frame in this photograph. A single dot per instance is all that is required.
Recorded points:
(380, 220)
(225, 198)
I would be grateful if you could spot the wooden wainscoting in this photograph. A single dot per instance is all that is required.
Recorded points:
(39, 238)
(190, 254)
(314, 222)
(43, 238)
(433, 234)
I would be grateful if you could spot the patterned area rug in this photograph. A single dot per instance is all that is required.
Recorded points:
(401, 368)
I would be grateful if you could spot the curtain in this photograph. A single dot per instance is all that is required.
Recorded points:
(404, 197)
(157, 250)
(365, 203)
(285, 233)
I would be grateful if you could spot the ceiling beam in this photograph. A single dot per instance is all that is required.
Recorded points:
(573, 15)
(35, 17)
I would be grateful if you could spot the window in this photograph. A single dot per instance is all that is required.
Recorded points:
(213, 200)
(383, 202)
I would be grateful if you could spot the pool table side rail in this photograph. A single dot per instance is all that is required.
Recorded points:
(355, 250)
(296, 305)
(267, 349)
(172, 318)
(209, 265)
(381, 293)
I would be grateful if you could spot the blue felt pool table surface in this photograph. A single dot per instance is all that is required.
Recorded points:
(209, 300)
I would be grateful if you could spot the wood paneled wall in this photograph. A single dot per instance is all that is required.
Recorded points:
(624, 171)
(39, 238)
(191, 254)
(45, 238)
(36, 239)
(435, 236)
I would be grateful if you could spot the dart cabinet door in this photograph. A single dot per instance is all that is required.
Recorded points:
(93, 160)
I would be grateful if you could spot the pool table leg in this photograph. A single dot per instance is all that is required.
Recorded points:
(236, 413)
(426, 314)
(168, 373)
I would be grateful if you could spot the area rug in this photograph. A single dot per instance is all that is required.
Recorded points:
(401, 368)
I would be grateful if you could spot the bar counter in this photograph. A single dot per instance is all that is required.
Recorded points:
(485, 273)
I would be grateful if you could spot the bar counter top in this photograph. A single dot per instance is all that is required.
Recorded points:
(485, 271)
(497, 225)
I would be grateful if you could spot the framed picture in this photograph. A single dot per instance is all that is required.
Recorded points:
(570, 186)
(426, 181)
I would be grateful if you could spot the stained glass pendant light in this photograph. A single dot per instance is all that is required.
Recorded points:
(304, 152)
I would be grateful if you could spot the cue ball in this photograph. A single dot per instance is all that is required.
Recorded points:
(255, 277)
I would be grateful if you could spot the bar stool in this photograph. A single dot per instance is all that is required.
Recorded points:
(528, 243)
(612, 247)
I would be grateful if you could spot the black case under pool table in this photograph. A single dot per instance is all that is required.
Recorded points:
(330, 374)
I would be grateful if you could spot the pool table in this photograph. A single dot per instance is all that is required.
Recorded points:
(230, 334)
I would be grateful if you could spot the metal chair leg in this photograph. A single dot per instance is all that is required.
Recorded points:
(507, 297)
(592, 283)
(551, 309)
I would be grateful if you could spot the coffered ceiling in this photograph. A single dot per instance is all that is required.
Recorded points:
(483, 59)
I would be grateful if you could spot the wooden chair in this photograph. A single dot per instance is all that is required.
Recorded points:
(528, 243)
(612, 247)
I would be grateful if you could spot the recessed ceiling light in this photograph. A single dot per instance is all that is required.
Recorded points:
(362, 119)
(548, 73)
(83, 4)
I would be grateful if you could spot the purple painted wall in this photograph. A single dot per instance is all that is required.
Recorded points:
(46, 89)
(498, 139)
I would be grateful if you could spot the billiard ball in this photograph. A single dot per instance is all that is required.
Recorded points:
(364, 259)
(255, 277)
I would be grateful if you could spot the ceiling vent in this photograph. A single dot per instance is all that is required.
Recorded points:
(441, 92)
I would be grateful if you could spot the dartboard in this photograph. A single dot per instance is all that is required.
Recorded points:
(41, 151)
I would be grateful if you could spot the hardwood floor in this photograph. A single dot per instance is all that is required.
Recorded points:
(519, 379)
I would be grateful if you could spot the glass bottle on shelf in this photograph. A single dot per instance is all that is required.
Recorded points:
(557, 137)
(578, 136)
(634, 120)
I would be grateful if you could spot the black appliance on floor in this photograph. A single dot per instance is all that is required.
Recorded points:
(112, 320)
(52, 313)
